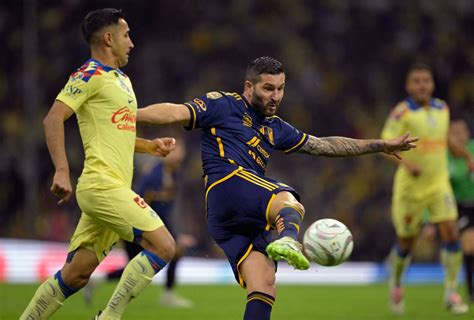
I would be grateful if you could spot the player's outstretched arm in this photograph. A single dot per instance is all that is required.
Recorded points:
(164, 113)
(347, 147)
(54, 133)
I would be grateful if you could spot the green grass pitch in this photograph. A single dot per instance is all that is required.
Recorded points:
(227, 302)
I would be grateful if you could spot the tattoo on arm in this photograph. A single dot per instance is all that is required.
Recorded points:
(341, 146)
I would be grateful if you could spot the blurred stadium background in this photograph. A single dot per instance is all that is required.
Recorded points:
(345, 62)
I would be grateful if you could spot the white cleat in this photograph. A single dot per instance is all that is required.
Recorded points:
(396, 302)
(172, 300)
(454, 304)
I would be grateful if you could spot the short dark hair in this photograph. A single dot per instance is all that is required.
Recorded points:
(98, 19)
(417, 66)
(263, 65)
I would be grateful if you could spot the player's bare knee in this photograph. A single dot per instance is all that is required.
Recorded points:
(76, 278)
(165, 248)
(286, 199)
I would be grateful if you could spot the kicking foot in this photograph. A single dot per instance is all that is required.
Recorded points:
(288, 249)
(396, 303)
(172, 300)
(454, 304)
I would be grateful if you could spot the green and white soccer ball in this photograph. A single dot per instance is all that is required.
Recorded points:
(328, 242)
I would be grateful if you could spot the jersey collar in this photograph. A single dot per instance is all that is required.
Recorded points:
(105, 67)
(413, 105)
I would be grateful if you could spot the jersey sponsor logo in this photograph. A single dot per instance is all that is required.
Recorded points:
(141, 203)
(263, 151)
(72, 91)
(125, 119)
(201, 104)
(257, 159)
(213, 95)
(247, 120)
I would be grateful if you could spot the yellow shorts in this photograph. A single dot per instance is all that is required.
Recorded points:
(108, 215)
(407, 209)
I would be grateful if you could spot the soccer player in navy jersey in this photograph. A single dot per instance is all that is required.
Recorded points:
(255, 219)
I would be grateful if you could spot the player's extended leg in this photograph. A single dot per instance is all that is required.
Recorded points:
(258, 273)
(158, 248)
(451, 258)
(467, 239)
(399, 260)
(51, 294)
(286, 213)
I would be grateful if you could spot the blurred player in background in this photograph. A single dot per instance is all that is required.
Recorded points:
(462, 181)
(255, 219)
(422, 182)
(102, 98)
(157, 186)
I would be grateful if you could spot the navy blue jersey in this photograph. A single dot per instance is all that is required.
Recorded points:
(233, 134)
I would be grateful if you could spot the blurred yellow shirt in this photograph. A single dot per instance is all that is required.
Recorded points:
(430, 124)
(105, 105)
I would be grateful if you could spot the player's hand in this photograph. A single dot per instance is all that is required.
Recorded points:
(61, 186)
(161, 147)
(402, 143)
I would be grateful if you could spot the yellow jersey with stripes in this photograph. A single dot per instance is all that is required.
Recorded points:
(233, 134)
(105, 105)
(430, 123)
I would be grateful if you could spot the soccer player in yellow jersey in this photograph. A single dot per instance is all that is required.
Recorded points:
(102, 98)
(422, 182)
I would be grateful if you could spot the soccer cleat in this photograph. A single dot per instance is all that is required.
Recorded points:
(454, 303)
(172, 300)
(88, 292)
(396, 302)
(288, 249)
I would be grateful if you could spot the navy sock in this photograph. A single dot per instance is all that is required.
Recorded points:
(401, 253)
(469, 268)
(259, 306)
(66, 290)
(288, 222)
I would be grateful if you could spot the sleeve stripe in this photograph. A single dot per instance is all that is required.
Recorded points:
(192, 121)
(303, 139)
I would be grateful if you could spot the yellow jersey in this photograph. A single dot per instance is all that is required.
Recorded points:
(430, 123)
(105, 105)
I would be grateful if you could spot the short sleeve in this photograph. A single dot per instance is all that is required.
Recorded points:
(76, 91)
(208, 110)
(395, 125)
(288, 138)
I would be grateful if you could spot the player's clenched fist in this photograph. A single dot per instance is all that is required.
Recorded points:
(162, 146)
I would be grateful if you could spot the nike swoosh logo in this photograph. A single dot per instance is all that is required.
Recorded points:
(130, 101)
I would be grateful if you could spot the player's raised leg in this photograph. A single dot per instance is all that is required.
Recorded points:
(258, 273)
(287, 213)
(51, 294)
(451, 258)
(158, 249)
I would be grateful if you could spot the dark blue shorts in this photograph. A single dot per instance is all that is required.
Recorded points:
(466, 216)
(237, 214)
